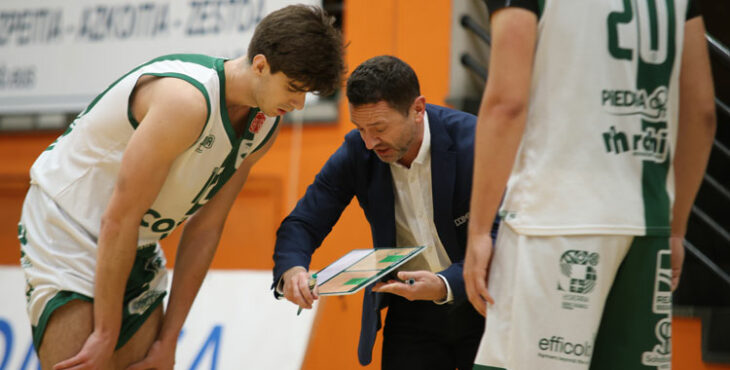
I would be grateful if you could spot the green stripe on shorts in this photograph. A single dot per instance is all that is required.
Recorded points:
(635, 330)
(140, 300)
(60, 299)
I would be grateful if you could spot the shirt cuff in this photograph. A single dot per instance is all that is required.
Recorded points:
(449, 295)
(279, 288)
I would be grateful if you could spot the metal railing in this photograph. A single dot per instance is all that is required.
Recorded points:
(719, 49)
(470, 24)
(473, 65)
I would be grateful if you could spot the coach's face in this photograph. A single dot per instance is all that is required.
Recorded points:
(392, 135)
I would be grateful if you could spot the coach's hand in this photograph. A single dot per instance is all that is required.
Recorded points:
(95, 354)
(296, 287)
(476, 264)
(426, 286)
(161, 356)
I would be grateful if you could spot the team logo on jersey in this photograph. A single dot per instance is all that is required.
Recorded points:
(650, 106)
(661, 355)
(207, 143)
(257, 122)
(577, 278)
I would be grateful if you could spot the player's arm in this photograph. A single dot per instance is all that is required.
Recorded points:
(695, 135)
(500, 126)
(164, 132)
(195, 252)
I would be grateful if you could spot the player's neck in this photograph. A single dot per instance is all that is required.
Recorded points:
(239, 83)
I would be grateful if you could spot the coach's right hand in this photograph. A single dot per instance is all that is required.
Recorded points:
(296, 287)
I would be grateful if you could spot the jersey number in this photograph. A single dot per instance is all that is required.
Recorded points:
(652, 34)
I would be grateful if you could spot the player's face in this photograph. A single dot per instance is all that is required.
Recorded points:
(279, 94)
(384, 130)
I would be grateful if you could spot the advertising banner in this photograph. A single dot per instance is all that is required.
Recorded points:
(55, 56)
(235, 323)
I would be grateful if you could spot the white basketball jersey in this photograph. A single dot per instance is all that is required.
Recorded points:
(601, 128)
(80, 169)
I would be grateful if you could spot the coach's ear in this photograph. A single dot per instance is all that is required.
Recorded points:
(418, 107)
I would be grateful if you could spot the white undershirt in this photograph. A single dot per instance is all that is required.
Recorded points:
(414, 212)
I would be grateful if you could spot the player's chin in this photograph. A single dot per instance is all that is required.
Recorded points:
(280, 112)
(273, 112)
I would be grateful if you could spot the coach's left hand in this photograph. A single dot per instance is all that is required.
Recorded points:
(427, 286)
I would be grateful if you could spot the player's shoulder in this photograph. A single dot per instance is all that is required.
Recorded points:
(178, 98)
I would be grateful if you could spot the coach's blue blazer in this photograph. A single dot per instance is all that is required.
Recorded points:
(353, 170)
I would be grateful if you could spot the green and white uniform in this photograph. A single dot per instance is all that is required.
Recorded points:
(72, 182)
(604, 102)
(591, 191)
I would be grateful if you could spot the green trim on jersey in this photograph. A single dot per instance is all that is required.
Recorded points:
(540, 8)
(183, 77)
(651, 76)
(203, 60)
(247, 134)
(200, 59)
(268, 136)
(228, 167)
(224, 110)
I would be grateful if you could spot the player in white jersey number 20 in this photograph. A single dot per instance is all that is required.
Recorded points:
(598, 116)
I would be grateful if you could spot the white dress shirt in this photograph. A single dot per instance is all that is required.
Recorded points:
(414, 212)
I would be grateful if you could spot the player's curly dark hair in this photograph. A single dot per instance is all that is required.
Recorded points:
(301, 42)
(384, 78)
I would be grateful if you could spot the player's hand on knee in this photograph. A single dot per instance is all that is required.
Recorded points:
(415, 285)
(95, 354)
(161, 356)
(297, 289)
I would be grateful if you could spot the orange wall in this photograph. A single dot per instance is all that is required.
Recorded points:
(415, 31)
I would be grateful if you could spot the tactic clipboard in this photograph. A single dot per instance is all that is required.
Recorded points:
(362, 267)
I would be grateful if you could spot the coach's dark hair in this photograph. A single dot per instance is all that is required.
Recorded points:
(384, 78)
(301, 42)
